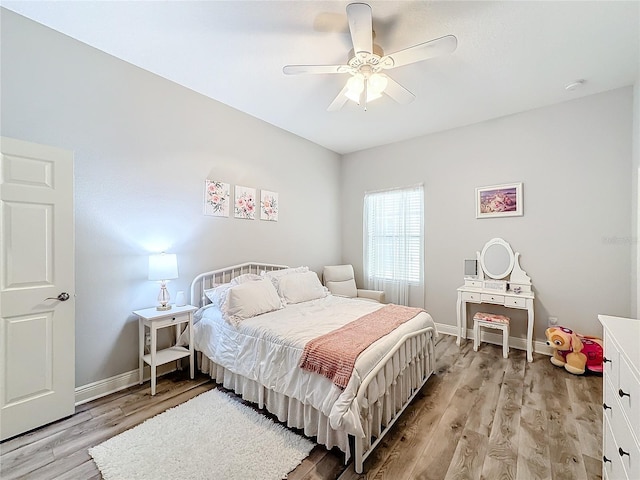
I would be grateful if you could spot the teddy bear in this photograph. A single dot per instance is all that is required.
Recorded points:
(575, 352)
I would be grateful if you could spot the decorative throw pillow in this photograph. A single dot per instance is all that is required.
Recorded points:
(301, 287)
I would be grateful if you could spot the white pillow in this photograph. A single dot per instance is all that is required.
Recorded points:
(246, 277)
(301, 287)
(276, 275)
(249, 299)
(218, 294)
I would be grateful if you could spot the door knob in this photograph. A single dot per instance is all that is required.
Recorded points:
(63, 297)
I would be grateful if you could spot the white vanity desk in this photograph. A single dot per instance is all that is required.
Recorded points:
(502, 267)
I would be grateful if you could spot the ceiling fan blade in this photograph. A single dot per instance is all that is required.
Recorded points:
(361, 28)
(339, 101)
(300, 69)
(398, 92)
(422, 51)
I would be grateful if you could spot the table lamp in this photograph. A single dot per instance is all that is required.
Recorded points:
(163, 267)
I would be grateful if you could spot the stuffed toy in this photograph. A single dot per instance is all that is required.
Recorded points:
(575, 352)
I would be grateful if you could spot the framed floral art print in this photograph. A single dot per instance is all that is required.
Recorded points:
(269, 205)
(245, 203)
(216, 198)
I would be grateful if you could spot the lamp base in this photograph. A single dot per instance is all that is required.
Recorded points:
(163, 298)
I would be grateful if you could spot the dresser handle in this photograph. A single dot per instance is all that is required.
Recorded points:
(605, 459)
(622, 452)
(623, 394)
(606, 360)
(605, 406)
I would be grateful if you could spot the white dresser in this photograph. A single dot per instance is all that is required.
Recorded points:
(621, 404)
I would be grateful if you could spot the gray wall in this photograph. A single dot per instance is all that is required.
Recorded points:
(143, 149)
(144, 146)
(574, 160)
(635, 206)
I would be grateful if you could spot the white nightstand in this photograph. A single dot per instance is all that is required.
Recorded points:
(155, 319)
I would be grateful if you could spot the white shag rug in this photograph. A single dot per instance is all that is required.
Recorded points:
(209, 437)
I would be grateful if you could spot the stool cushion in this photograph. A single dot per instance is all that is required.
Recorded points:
(491, 317)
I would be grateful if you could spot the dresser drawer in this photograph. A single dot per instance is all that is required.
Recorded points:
(611, 408)
(471, 297)
(516, 302)
(629, 395)
(611, 363)
(490, 298)
(611, 462)
(628, 451)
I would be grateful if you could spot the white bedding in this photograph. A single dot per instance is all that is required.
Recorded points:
(267, 349)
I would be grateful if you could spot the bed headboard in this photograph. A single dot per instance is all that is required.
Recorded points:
(208, 280)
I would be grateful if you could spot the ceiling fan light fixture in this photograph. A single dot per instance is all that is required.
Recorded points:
(371, 96)
(377, 83)
(355, 86)
(366, 59)
(351, 95)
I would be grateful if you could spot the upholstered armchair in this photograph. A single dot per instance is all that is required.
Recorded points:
(340, 280)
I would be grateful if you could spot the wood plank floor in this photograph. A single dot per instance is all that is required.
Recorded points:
(479, 417)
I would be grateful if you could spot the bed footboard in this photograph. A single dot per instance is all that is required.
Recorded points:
(387, 391)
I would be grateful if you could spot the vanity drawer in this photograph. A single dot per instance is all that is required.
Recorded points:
(516, 302)
(490, 298)
(471, 297)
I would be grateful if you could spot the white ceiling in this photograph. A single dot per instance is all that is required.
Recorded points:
(511, 56)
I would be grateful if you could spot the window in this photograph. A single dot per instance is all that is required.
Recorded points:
(393, 236)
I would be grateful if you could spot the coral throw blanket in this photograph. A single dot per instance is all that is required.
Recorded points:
(334, 354)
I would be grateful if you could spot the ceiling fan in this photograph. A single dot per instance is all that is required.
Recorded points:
(367, 62)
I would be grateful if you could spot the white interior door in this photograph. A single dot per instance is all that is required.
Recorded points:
(37, 307)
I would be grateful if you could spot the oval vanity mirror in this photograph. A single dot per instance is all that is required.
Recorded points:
(497, 258)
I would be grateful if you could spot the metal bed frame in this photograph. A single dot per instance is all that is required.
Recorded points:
(404, 370)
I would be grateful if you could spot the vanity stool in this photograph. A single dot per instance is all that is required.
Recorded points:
(490, 320)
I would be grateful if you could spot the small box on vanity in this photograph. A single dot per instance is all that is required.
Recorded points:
(495, 285)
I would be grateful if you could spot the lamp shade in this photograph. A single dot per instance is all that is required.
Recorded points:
(163, 266)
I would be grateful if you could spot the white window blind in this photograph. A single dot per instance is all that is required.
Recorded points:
(393, 243)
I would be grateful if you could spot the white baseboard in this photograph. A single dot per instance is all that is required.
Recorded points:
(496, 339)
(101, 388)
